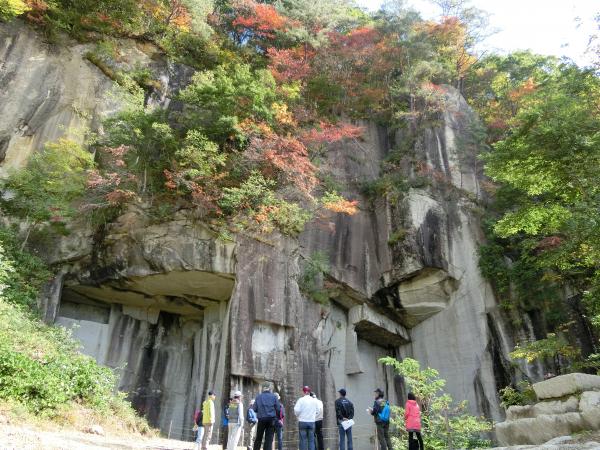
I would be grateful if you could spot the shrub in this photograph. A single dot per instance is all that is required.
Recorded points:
(522, 395)
(311, 280)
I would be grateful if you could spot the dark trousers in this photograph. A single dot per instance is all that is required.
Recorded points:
(383, 436)
(279, 434)
(264, 427)
(415, 440)
(319, 434)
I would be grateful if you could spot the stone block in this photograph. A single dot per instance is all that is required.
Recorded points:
(564, 385)
(589, 405)
(538, 430)
(516, 412)
(556, 406)
(426, 294)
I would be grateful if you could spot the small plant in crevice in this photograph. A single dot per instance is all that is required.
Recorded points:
(397, 236)
(311, 281)
(523, 394)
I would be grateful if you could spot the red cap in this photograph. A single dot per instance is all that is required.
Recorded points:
(306, 389)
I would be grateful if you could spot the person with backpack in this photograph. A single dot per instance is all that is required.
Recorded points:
(279, 424)
(267, 410)
(235, 421)
(381, 413)
(251, 419)
(412, 423)
(208, 418)
(344, 413)
(198, 428)
(318, 423)
(225, 421)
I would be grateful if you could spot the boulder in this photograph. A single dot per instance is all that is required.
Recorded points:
(589, 405)
(539, 430)
(564, 385)
(516, 412)
(556, 406)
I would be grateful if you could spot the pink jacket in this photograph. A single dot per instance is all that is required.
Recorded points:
(412, 415)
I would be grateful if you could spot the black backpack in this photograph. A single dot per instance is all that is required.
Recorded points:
(198, 418)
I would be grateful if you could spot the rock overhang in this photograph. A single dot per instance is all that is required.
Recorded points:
(178, 292)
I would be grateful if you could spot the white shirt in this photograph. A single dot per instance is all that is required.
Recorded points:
(319, 410)
(306, 409)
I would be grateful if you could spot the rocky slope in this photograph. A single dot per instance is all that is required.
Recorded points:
(178, 311)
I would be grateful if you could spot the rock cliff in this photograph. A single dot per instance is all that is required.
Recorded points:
(178, 311)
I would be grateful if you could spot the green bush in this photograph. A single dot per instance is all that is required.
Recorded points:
(522, 395)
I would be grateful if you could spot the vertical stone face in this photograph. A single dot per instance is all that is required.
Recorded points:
(46, 92)
(179, 312)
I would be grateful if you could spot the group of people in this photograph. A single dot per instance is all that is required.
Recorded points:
(265, 417)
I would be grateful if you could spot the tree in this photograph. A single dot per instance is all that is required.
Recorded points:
(446, 425)
(223, 98)
(43, 192)
(548, 198)
(554, 348)
(12, 8)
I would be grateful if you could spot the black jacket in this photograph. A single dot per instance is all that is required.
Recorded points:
(344, 409)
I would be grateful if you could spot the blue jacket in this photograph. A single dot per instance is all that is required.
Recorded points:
(266, 406)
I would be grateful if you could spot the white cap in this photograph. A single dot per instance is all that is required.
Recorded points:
(237, 394)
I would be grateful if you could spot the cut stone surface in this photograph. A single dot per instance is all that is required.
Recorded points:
(556, 406)
(516, 412)
(589, 405)
(563, 385)
(539, 430)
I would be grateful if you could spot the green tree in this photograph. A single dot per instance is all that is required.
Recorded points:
(446, 425)
(548, 202)
(43, 192)
(554, 348)
(221, 99)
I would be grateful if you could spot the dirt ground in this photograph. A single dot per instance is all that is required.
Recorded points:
(16, 437)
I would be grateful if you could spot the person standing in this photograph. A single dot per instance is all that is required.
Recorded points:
(198, 428)
(235, 421)
(306, 411)
(225, 422)
(267, 410)
(318, 423)
(412, 423)
(208, 418)
(279, 424)
(344, 411)
(251, 419)
(381, 413)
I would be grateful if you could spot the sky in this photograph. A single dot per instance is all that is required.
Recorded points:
(550, 27)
